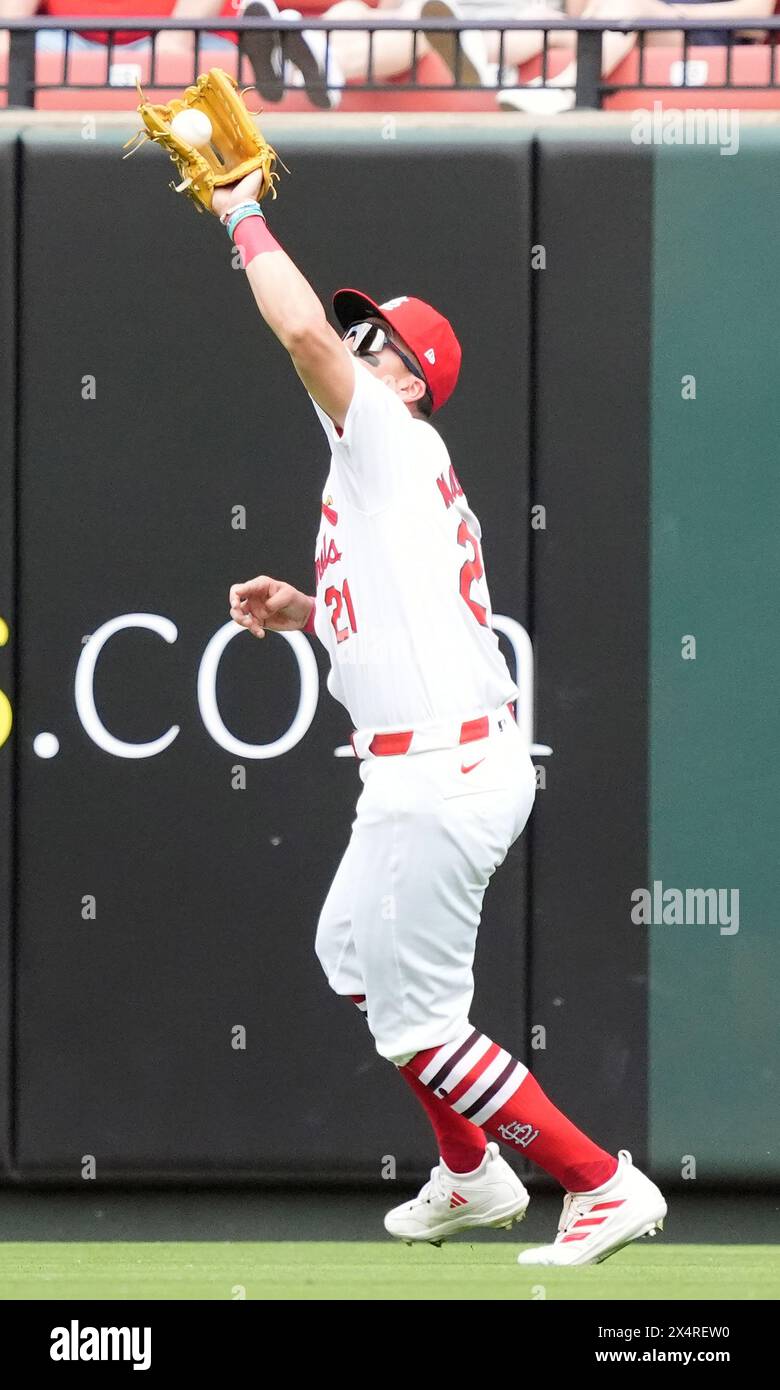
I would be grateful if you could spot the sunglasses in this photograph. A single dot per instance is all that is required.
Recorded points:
(368, 339)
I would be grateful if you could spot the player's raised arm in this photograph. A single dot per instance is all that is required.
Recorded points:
(287, 301)
(226, 166)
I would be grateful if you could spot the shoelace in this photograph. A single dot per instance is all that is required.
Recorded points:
(574, 1206)
(435, 1187)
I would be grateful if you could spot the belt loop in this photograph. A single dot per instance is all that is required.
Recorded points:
(473, 729)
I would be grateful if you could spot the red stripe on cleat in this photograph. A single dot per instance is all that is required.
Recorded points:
(608, 1206)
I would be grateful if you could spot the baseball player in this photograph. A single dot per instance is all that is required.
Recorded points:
(403, 609)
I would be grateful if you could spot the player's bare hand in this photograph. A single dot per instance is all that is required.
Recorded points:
(223, 199)
(269, 605)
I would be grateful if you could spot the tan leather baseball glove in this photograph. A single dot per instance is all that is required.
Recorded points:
(236, 148)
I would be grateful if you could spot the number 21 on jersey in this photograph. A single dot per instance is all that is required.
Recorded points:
(338, 600)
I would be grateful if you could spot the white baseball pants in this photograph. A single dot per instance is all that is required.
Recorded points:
(400, 922)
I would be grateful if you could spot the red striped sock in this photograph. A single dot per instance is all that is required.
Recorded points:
(461, 1144)
(487, 1086)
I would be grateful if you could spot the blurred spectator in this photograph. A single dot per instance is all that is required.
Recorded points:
(323, 64)
(304, 52)
(473, 56)
(393, 50)
(69, 10)
(486, 46)
(551, 99)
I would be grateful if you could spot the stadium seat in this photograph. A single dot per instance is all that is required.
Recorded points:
(751, 64)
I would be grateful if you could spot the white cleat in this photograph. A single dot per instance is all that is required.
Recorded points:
(594, 1225)
(492, 1195)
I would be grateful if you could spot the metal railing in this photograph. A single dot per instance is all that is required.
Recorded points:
(22, 85)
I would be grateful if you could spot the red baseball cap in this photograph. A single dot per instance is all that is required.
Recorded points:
(424, 330)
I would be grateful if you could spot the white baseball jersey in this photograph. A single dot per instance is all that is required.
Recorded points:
(402, 604)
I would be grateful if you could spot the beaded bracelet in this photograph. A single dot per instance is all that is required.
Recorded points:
(237, 214)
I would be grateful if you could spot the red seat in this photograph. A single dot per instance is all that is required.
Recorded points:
(750, 64)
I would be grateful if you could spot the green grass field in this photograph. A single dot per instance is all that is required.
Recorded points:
(358, 1270)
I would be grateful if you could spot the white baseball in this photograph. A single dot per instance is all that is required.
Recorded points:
(193, 127)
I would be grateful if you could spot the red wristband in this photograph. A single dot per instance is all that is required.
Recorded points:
(252, 238)
(309, 627)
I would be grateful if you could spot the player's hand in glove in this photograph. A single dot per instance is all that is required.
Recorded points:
(246, 190)
(265, 604)
(228, 149)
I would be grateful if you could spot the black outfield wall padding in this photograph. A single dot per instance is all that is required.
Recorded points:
(8, 635)
(590, 601)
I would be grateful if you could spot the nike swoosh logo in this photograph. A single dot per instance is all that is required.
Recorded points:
(471, 766)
